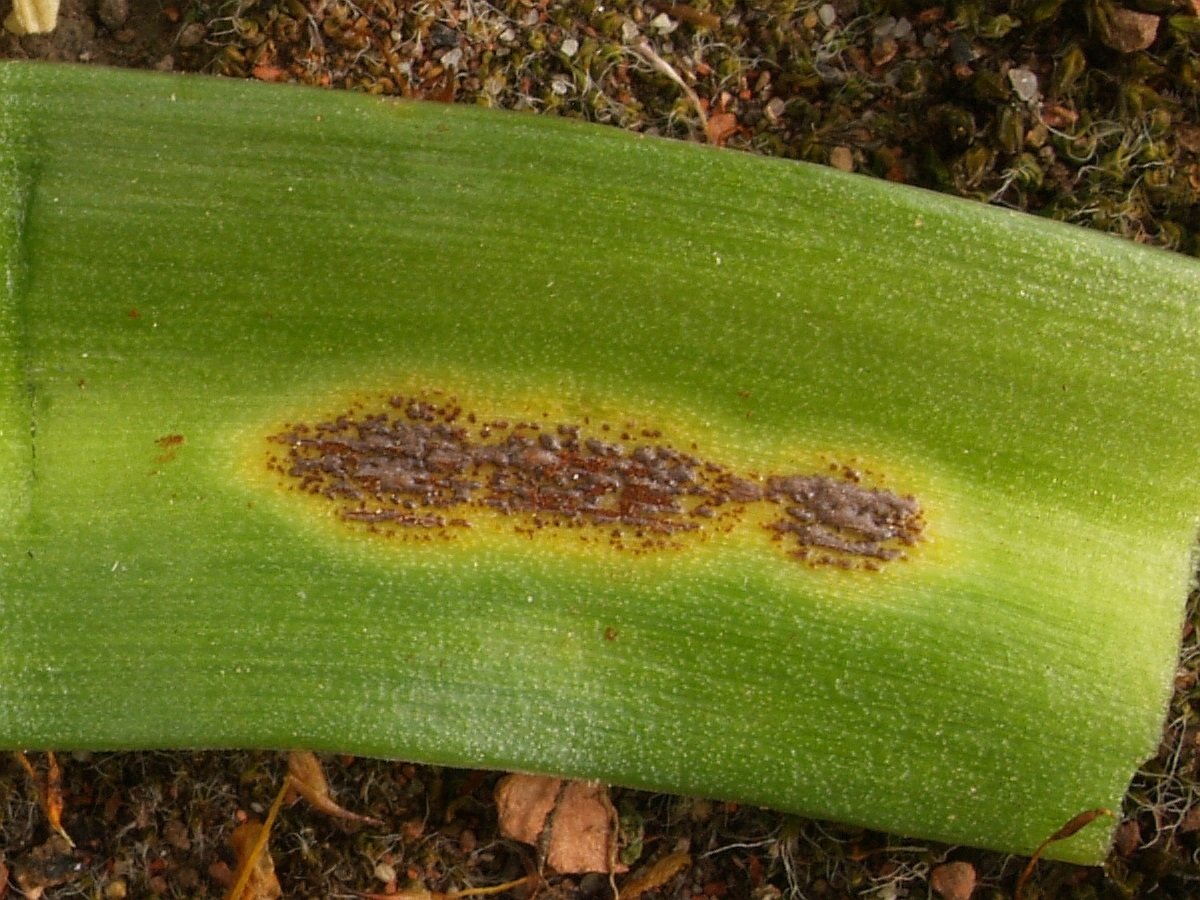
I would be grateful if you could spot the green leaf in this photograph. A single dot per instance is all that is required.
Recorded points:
(198, 270)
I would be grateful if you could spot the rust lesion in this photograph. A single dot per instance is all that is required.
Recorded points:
(424, 464)
(169, 445)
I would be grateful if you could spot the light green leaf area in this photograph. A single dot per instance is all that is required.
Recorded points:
(192, 265)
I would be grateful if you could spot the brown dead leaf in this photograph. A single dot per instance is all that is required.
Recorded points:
(720, 127)
(1129, 31)
(307, 778)
(524, 803)
(572, 823)
(953, 881)
(54, 863)
(254, 878)
(583, 831)
(268, 72)
(655, 876)
(1189, 134)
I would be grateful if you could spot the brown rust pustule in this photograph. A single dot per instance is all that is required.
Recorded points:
(421, 464)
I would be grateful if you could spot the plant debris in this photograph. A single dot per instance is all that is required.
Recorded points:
(251, 848)
(306, 778)
(572, 823)
(49, 791)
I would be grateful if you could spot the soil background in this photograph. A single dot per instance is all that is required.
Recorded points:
(1083, 110)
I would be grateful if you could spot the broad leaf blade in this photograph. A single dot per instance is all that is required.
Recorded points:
(201, 264)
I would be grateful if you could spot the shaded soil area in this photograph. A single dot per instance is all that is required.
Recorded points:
(1086, 111)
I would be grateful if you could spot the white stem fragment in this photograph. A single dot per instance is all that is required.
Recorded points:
(32, 16)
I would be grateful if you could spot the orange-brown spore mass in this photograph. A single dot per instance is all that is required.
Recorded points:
(421, 464)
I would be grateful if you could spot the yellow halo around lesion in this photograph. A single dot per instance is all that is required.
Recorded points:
(745, 520)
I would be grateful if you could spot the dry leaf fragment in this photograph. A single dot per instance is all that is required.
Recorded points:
(1075, 825)
(307, 778)
(1057, 116)
(572, 823)
(255, 866)
(1129, 31)
(655, 876)
(524, 803)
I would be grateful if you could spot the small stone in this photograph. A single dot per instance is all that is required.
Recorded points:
(116, 890)
(1128, 837)
(841, 158)
(961, 51)
(385, 872)
(1129, 31)
(175, 833)
(114, 13)
(953, 881)
(827, 14)
(663, 24)
(192, 34)
(902, 30)
(774, 109)
(185, 880)
(629, 31)
(1024, 83)
(569, 47)
(442, 37)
